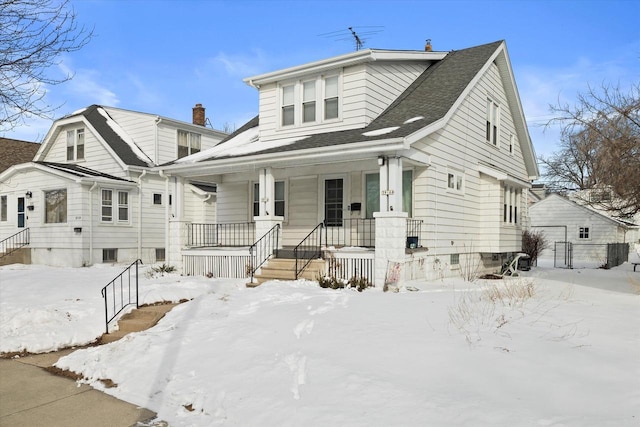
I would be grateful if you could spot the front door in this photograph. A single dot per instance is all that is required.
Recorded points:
(21, 214)
(334, 211)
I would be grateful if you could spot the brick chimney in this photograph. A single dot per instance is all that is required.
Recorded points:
(427, 47)
(198, 115)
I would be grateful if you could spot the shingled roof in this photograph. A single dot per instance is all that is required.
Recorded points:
(14, 152)
(122, 148)
(430, 97)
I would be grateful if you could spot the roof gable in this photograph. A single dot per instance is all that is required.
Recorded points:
(556, 198)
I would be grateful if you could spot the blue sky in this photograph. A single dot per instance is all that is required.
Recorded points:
(163, 57)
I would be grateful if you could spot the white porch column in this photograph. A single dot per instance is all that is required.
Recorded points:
(395, 184)
(267, 190)
(178, 236)
(390, 243)
(384, 185)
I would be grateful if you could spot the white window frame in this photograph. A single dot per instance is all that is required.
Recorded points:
(511, 198)
(584, 232)
(255, 198)
(60, 219)
(115, 208)
(492, 130)
(153, 199)
(75, 145)
(4, 208)
(309, 98)
(193, 143)
(320, 99)
(455, 181)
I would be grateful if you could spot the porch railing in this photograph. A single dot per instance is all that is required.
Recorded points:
(308, 249)
(118, 293)
(359, 232)
(231, 234)
(414, 230)
(14, 242)
(263, 248)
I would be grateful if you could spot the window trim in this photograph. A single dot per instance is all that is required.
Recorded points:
(191, 140)
(319, 99)
(511, 201)
(255, 198)
(46, 208)
(492, 129)
(115, 207)
(72, 145)
(584, 232)
(4, 208)
(455, 181)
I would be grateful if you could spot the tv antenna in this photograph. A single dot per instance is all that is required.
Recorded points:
(357, 35)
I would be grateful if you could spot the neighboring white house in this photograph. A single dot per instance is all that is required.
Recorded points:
(412, 163)
(91, 195)
(562, 220)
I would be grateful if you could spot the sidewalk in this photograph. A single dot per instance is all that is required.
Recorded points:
(30, 396)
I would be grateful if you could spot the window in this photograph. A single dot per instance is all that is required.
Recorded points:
(309, 102)
(331, 98)
(454, 259)
(455, 181)
(160, 254)
(583, 233)
(3, 208)
(511, 141)
(493, 115)
(108, 213)
(55, 206)
(510, 202)
(278, 199)
(372, 193)
(109, 255)
(157, 198)
(188, 143)
(288, 108)
(75, 144)
(333, 200)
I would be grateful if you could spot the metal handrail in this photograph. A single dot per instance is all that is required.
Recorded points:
(308, 249)
(351, 232)
(263, 248)
(122, 305)
(14, 242)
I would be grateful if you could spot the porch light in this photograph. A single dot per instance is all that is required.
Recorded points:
(380, 161)
(29, 194)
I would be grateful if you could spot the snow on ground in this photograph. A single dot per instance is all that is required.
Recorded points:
(551, 348)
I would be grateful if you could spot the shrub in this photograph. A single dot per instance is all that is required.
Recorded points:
(533, 243)
(358, 283)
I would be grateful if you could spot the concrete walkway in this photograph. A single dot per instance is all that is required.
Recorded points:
(30, 396)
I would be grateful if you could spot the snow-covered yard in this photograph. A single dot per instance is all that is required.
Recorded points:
(551, 348)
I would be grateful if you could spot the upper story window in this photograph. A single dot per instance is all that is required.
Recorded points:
(115, 210)
(455, 181)
(288, 105)
(310, 101)
(75, 144)
(55, 206)
(188, 143)
(511, 143)
(493, 119)
(3, 208)
(278, 198)
(511, 200)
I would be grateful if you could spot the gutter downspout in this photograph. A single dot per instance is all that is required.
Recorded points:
(93, 187)
(166, 214)
(156, 143)
(144, 172)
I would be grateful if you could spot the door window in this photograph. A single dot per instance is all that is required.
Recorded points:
(333, 201)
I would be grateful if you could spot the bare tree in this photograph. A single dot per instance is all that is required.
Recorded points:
(599, 150)
(33, 36)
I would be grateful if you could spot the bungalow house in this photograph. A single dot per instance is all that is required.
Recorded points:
(91, 193)
(387, 164)
(577, 234)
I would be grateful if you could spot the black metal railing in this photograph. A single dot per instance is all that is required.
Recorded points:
(231, 234)
(263, 248)
(308, 249)
(414, 229)
(119, 294)
(14, 242)
(359, 232)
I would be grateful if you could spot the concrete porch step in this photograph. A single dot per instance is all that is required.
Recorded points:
(18, 256)
(285, 269)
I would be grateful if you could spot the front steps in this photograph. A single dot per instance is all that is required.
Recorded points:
(19, 256)
(285, 269)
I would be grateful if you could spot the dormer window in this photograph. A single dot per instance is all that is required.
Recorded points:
(188, 143)
(288, 105)
(309, 102)
(75, 144)
(493, 119)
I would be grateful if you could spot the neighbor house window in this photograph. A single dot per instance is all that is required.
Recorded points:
(188, 143)
(157, 198)
(455, 181)
(454, 259)
(583, 233)
(75, 144)
(493, 116)
(55, 206)
(599, 196)
(288, 105)
(111, 211)
(331, 98)
(278, 199)
(309, 102)
(3, 208)
(160, 254)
